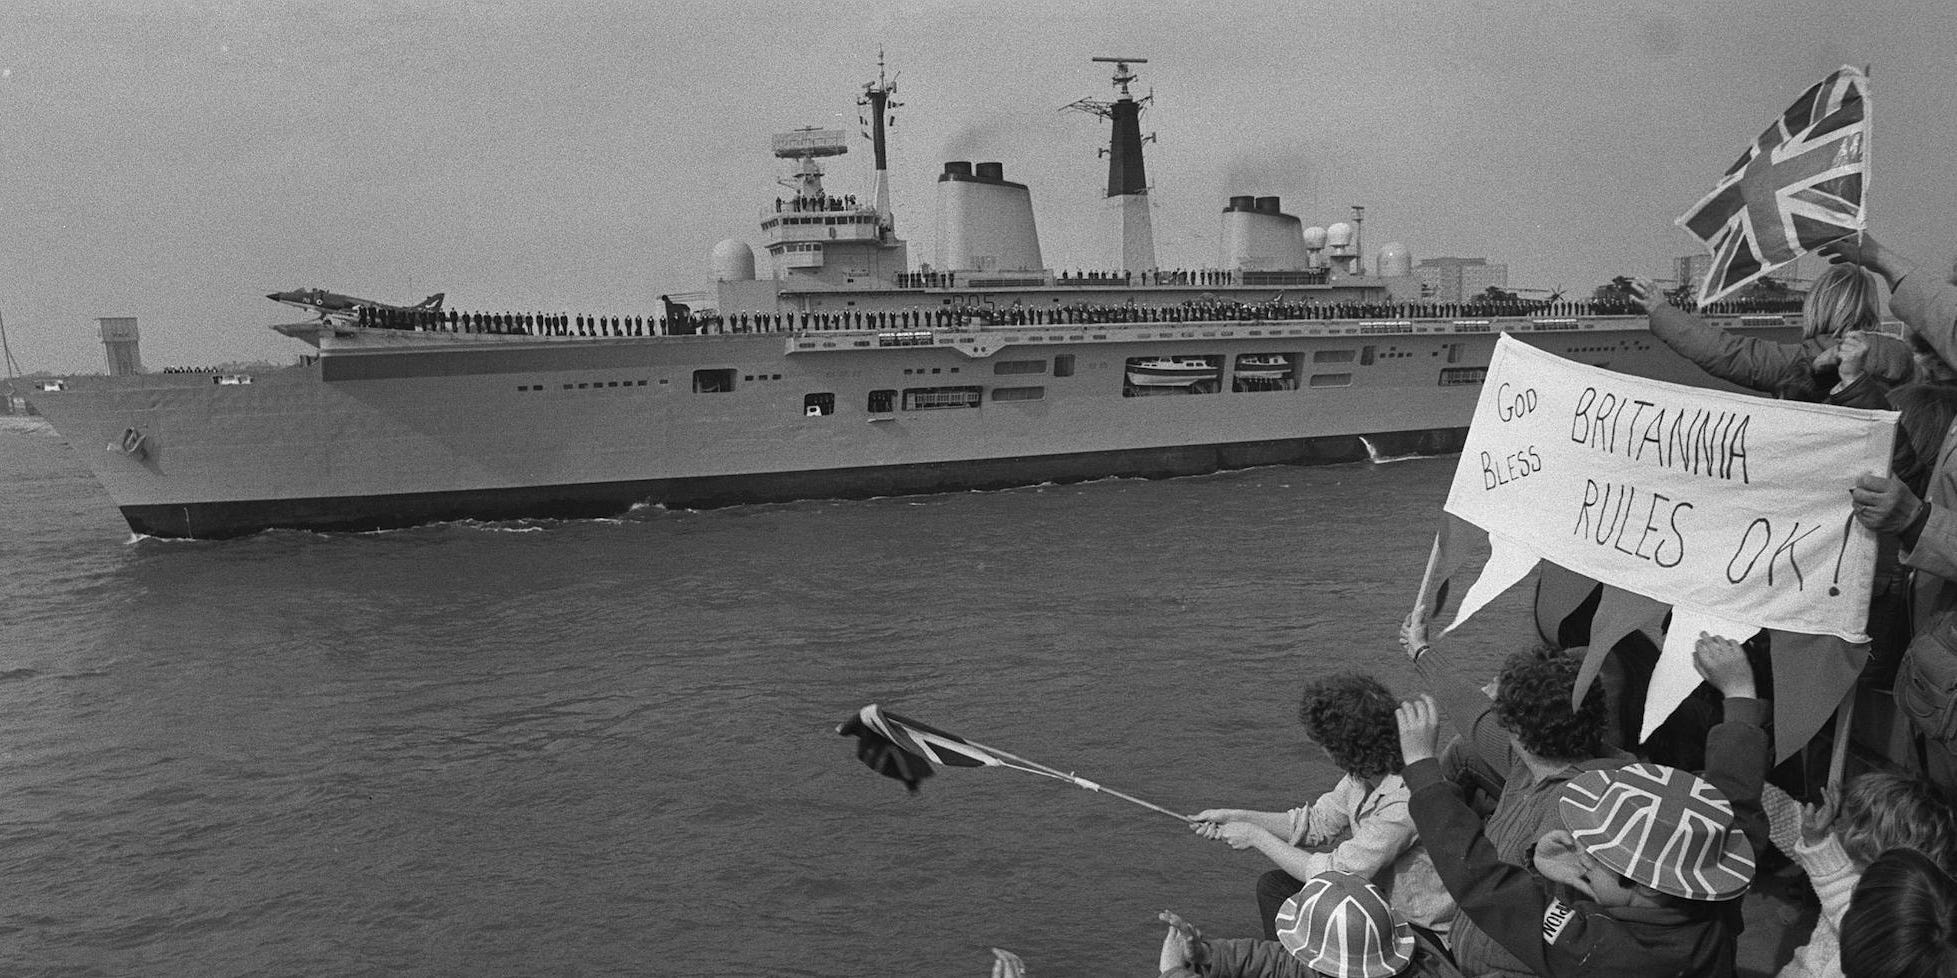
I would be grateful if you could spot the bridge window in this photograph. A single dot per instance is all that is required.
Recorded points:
(882, 402)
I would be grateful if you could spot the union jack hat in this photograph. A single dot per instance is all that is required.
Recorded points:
(1340, 926)
(1661, 827)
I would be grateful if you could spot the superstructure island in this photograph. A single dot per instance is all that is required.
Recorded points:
(843, 371)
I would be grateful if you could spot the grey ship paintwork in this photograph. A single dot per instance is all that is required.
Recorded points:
(392, 427)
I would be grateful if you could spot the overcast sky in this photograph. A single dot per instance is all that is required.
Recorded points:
(176, 161)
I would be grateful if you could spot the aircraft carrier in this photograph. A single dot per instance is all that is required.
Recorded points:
(843, 371)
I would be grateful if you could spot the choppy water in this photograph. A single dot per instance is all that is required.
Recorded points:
(607, 748)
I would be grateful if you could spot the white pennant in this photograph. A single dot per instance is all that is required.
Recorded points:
(1675, 676)
(1507, 563)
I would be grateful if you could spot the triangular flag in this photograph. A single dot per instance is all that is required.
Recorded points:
(1675, 676)
(1619, 613)
(1507, 563)
(1560, 593)
(1812, 673)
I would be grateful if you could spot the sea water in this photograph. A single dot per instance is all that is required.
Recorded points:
(607, 747)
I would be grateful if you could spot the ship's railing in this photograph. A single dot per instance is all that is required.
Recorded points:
(1753, 312)
(833, 204)
(1152, 278)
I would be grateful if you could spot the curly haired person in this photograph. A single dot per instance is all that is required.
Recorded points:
(1361, 826)
(1641, 872)
(1523, 745)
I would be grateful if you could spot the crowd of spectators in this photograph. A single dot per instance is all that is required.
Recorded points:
(1561, 843)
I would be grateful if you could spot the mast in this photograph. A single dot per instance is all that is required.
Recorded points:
(1127, 172)
(878, 110)
(6, 352)
(9, 392)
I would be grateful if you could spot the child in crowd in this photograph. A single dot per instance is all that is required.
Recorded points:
(1836, 842)
(1521, 746)
(1361, 826)
(1902, 921)
(1643, 875)
(1337, 926)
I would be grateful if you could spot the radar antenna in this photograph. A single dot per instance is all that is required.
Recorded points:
(1122, 78)
(805, 146)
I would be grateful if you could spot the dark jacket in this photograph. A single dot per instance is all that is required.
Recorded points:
(1556, 932)
(1484, 756)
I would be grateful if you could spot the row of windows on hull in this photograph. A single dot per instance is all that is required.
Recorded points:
(1141, 377)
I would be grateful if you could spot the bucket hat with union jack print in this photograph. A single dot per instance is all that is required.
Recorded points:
(1661, 827)
(1339, 925)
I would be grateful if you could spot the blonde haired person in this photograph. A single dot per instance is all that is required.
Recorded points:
(1836, 841)
(1844, 300)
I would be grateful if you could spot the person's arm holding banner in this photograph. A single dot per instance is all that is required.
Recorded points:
(1483, 747)
(1883, 503)
(1737, 749)
(1750, 362)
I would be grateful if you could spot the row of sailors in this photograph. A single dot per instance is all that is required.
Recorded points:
(1155, 276)
(802, 204)
(946, 317)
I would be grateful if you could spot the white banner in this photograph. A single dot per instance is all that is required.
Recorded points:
(1730, 507)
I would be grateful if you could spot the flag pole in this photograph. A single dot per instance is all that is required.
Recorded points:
(1035, 767)
(1838, 755)
(1420, 601)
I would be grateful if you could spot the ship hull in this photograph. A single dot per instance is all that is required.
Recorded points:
(218, 520)
(393, 428)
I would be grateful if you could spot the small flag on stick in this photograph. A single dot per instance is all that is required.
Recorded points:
(1798, 187)
(899, 747)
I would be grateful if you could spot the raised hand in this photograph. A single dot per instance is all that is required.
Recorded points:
(1645, 294)
(1723, 663)
(1816, 820)
(1864, 250)
(1420, 728)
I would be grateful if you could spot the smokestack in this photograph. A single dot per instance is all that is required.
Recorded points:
(1258, 237)
(985, 222)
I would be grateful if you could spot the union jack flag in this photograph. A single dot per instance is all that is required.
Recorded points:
(1798, 187)
(897, 746)
(1661, 827)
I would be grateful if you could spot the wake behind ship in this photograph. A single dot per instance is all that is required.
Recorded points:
(845, 372)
